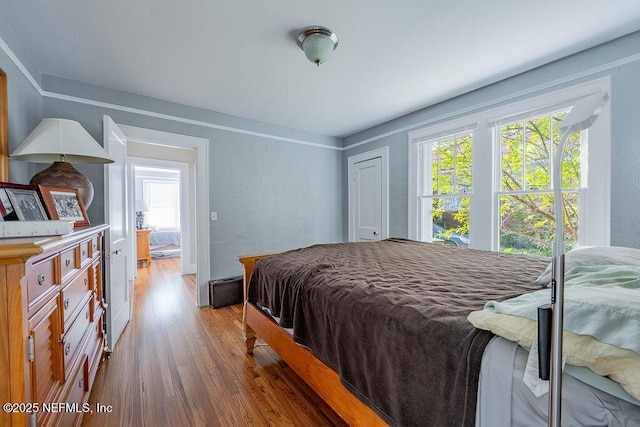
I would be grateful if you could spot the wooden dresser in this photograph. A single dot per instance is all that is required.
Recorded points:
(143, 245)
(51, 327)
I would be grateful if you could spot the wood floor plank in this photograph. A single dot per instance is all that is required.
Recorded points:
(176, 364)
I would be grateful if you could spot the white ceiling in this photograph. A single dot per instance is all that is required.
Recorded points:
(240, 56)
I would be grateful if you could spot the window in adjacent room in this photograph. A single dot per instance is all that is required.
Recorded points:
(163, 198)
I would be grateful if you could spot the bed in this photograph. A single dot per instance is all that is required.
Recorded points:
(164, 238)
(164, 243)
(380, 329)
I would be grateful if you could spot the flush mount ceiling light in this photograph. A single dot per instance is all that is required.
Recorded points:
(317, 43)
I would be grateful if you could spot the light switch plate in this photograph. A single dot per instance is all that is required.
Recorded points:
(214, 216)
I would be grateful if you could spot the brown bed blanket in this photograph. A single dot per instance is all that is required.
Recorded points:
(391, 318)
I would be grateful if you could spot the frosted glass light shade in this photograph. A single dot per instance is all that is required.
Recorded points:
(317, 43)
(317, 48)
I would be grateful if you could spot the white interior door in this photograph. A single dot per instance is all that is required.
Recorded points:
(367, 208)
(117, 239)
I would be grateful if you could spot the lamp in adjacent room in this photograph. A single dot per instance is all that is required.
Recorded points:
(141, 209)
(62, 142)
(317, 43)
(583, 114)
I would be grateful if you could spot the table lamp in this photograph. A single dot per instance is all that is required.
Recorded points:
(141, 208)
(62, 142)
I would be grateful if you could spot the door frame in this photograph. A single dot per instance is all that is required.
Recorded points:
(383, 154)
(202, 229)
(186, 207)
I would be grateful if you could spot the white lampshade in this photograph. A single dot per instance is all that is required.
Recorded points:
(141, 206)
(61, 139)
(317, 43)
(62, 142)
(584, 112)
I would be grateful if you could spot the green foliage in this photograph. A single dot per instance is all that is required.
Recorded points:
(527, 217)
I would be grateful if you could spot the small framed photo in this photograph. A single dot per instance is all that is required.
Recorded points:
(64, 203)
(26, 204)
(7, 211)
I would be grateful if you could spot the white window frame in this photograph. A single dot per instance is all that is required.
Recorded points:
(175, 182)
(595, 215)
(431, 134)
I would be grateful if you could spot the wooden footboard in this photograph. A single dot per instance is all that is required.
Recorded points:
(322, 379)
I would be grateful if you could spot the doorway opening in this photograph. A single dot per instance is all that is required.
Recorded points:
(158, 212)
(158, 149)
(163, 206)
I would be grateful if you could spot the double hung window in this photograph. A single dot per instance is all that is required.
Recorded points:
(446, 169)
(525, 193)
(485, 181)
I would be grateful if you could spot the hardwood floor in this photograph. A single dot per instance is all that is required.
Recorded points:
(178, 365)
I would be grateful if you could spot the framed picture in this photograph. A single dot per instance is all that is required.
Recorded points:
(64, 203)
(7, 211)
(26, 204)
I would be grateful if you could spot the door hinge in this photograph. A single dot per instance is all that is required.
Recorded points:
(32, 420)
(31, 349)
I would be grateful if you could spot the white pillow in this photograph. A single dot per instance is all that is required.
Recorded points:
(594, 255)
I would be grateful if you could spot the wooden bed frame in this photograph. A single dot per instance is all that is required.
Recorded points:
(322, 379)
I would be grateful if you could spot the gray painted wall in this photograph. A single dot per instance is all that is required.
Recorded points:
(24, 110)
(619, 59)
(274, 188)
(269, 194)
(274, 194)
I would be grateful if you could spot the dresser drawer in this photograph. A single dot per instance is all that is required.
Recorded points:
(72, 295)
(40, 279)
(68, 263)
(96, 246)
(75, 393)
(74, 338)
(86, 252)
(95, 339)
(94, 349)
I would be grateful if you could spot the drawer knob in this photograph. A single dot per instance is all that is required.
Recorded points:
(67, 349)
(67, 262)
(66, 303)
(40, 278)
(86, 281)
(84, 252)
(80, 382)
